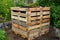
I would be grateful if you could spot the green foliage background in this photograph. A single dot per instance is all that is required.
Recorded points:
(54, 4)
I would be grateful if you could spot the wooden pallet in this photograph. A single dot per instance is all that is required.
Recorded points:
(31, 19)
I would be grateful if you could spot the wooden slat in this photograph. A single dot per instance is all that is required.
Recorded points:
(34, 18)
(23, 19)
(13, 17)
(32, 23)
(46, 20)
(32, 9)
(22, 14)
(23, 28)
(15, 25)
(14, 13)
(46, 12)
(44, 24)
(46, 8)
(34, 27)
(23, 9)
(14, 8)
(48, 16)
(33, 14)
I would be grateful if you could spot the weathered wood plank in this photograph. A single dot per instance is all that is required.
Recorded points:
(46, 8)
(14, 25)
(46, 12)
(47, 20)
(44, 24)
(33, 27)
(15, 8)
(13, 17)
(48, 16)
(22, 28)
(23, 19)
(23, 9)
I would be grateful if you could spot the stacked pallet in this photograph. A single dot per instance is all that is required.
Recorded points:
(30, 22)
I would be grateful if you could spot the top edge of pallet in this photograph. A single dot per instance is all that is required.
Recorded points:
(14, 8)
(45, 8)
(30, 8)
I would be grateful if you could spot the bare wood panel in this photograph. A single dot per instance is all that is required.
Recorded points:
(48, 16)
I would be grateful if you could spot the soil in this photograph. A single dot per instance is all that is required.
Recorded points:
(48, 36)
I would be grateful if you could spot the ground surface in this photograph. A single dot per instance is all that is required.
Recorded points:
(48, 36)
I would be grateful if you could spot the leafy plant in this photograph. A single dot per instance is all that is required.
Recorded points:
(2, 34)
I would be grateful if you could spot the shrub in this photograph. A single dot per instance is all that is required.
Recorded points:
(2, 34)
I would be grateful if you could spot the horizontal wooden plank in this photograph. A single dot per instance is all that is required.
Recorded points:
(22, 23)
(14, 25)
(22, 14)
(23, 9)
(44, 24)
(47, 20)
(34, 23)
(45, 27)
(23, 28)
(39, 8)
(13, 17)
(32, 9)
(48, 16)
(46, 12)
(34, 18)
(23, 19)
(15, 8)
(46, 8)
(33, 14)
(14, 13)
(33, 27)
